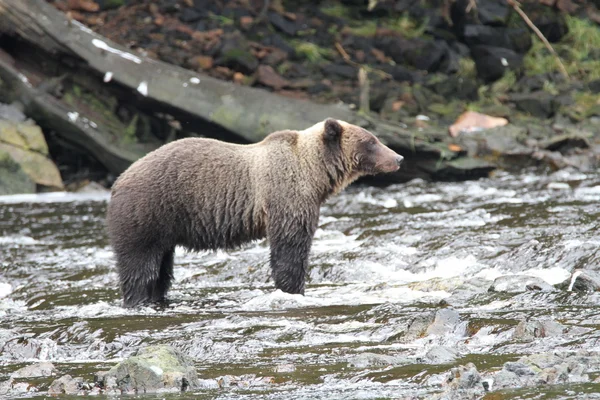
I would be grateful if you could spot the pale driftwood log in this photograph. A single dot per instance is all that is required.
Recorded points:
(246, 112)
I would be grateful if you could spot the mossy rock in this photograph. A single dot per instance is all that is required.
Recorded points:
(152, 369)
(13, 180)
(38, 167)
(9, 134)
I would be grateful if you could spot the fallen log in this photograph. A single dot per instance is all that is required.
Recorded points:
(153, 87)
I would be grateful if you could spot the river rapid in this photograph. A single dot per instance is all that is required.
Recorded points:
(398, 295)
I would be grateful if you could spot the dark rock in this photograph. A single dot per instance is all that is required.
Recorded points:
(530, 330)
(518, 40)
(235, 53)
(153, 368)
(456, 87)
(519, 283)
(283, 24)
(426, 55)
(276, 40)
(585, 281)
(549, 21)
(34, 370)
(566, 142)
(400, 73)
(488, 12)
(189, 14)
(594, 86)
(492, 62)
(441, 355)
(341, 70)
(65, 385)
(539, 104)
(318, 88)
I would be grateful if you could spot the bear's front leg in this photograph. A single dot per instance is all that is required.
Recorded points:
(290, 248)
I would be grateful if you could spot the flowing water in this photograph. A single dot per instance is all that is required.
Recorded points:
(381, 259)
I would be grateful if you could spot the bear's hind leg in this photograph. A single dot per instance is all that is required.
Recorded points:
(165, 277)
(139, 273)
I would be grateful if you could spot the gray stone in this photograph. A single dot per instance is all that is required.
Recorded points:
(530, 330)
(441, 355)
(66, 385)
(34, 370)
(538, 104)
(364, 360)
(152, 369)
(446, 321)
(464, 377)
(519, 283)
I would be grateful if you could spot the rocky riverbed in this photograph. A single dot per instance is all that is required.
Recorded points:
(480, 289)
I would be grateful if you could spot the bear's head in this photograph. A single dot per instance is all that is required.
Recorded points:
(360, 152)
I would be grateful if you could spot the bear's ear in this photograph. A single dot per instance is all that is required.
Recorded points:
(333, 129)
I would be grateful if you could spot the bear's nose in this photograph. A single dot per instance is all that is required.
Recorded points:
(399, 160)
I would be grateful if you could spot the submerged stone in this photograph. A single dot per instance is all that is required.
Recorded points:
(519, 283)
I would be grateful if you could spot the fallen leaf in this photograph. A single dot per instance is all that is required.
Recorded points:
(471, 121)
(454, 147)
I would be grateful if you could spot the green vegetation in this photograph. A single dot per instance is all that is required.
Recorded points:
(404, 25)
(586, 105)
(221, 19)
(311, 52)
(579, 52)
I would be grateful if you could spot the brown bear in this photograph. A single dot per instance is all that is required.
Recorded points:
(204, 194)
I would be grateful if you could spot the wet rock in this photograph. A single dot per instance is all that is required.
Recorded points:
(549, 21)
(12, 389)
(518, 40)
(492, 62)
(65, 385)
(34, 370)
(488, 12)
(244, 381)
(584, 281)
(464, 377)
(519, 283)
(190, 14)
(267, 76)
(530, 330)
(441, 355)
(538, 104)
(284, 368)
(153, 368)
(275, 57)
(365, 360)
(446, 321)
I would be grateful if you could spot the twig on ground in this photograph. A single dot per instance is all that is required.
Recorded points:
(517, 7)
(347, 58)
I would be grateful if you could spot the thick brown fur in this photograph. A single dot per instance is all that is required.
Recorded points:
(205, 194)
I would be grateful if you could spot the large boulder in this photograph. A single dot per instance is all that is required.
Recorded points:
(23, 148)
(152, 369)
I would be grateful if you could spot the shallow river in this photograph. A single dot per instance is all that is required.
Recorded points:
(382, 260)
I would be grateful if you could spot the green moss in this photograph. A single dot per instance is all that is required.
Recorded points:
(404, 25)
(113, 3)
(129, 134)
(467, 68)
(578, 51)
(311, 52)
(504, 84)
(221, 19)
(586, 105)
(336, 10)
